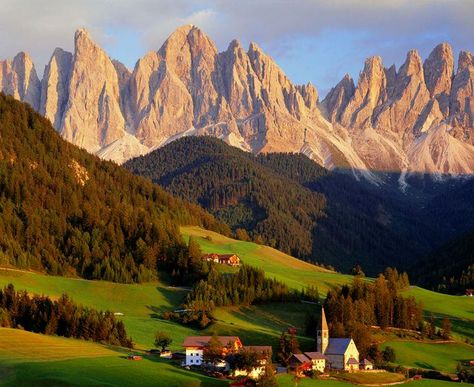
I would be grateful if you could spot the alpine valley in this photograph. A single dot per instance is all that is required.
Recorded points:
(203, 201)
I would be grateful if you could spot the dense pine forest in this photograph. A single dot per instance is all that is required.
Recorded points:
(246, 287)
(66, 212)
(238, 190)
(352, 309)
(290, 202)
(449, 269)
(62, 317)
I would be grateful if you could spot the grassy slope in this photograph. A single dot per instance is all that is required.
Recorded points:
(294, 272)
(28, 359)
(140, 304)
(255, 325)
(442, 357)
(459, 309)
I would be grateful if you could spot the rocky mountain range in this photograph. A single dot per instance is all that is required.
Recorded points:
(417, 119)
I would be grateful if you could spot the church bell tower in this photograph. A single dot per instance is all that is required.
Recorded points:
(322, 336)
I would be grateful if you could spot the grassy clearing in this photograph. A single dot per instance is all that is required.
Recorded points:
(431, 356)
(296, 273)
(459, 309)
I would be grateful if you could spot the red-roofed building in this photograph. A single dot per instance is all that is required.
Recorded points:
(223, 259)
(194, 347)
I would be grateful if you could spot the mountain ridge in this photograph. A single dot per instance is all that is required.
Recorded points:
(418, 119)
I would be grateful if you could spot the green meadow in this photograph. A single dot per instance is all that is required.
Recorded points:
(431, 356)
(142, 305)
(296, 273)
(29, 359)
(459, 309)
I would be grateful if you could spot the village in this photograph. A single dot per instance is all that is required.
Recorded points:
(228, 357)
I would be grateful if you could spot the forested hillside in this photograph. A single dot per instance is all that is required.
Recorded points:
(66, 212)
(238, 190)
(289, 202)
(450, 269)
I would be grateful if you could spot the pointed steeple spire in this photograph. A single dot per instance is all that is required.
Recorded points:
(324, 323)
(322, 334)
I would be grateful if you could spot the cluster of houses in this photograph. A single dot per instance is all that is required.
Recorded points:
(332, 353)
(223, 259)
(195, 346)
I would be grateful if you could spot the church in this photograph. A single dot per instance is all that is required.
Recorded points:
(341, 353)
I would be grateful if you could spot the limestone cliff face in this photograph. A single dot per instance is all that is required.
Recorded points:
(338, 98)
(438, 69)
(371, 91)
(54, 87)
(462, 99)
(92, 118)
(417, 119)
(19, 79)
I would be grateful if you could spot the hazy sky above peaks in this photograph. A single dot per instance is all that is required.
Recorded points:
(317, 41)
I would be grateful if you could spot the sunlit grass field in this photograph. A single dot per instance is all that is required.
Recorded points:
(431, 356)
(29, 359)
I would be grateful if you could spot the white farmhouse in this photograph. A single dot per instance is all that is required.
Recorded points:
(194, 347)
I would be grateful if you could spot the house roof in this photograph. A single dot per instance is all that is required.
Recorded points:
(352, 361)
(227, 256)
(300, 357)
(220, 256)
(324, 323)
(366, 362)
(315, 355)
(337, 346)
(258, 348)
(201, 341)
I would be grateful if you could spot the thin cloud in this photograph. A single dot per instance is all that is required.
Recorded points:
(388, 28)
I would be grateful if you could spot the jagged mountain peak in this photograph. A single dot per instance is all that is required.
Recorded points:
(466, 59)
(412, 65)
(187, 87)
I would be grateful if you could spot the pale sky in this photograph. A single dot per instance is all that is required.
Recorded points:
(317, 41)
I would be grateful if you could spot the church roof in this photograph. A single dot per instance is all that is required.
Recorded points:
(337, 346)
(324, 323)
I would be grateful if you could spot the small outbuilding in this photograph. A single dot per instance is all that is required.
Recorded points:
(366, 365)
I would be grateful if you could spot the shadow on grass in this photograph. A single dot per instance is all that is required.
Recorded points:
(424, 365)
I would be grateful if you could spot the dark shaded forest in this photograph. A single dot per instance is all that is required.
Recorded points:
(66, 212)
(238, 190)
(449, 269)
(290, 202)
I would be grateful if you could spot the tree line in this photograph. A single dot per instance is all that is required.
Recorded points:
(246, 287)
(351, 309)
(62, 317)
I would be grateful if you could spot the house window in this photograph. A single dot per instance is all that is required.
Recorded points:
(191, 361)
